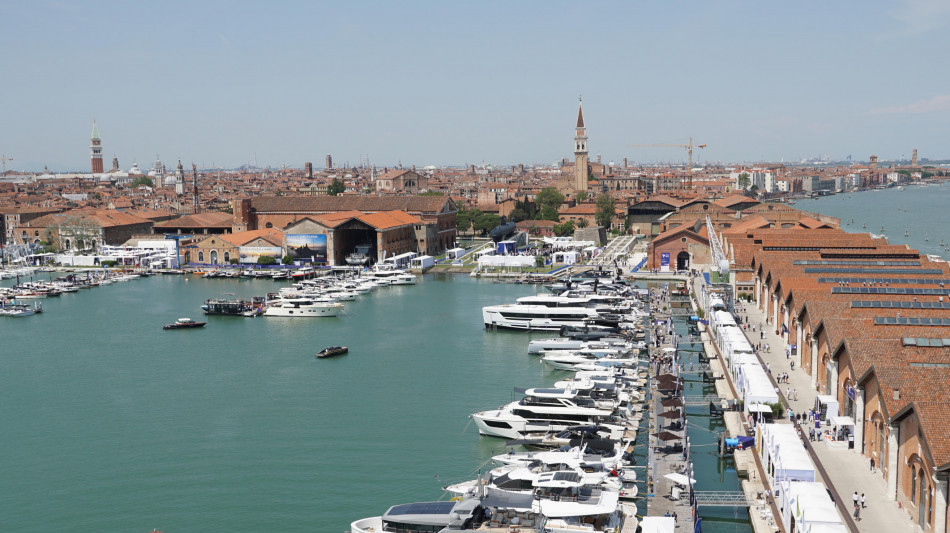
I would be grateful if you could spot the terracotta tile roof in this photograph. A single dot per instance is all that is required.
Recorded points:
(271, 235)
(214, 219)
(327, 204)
(389, 219)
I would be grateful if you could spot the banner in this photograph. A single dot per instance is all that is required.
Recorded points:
(665, 259)
(307, 247)
(250, 254)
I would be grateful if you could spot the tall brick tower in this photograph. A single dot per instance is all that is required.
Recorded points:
(96, 150)
(580, 152)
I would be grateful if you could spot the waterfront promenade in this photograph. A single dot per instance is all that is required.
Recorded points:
(844, 471)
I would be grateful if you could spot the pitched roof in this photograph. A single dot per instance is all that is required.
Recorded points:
(271, 235)
(389, 219)
(213, 219)
(329, 204)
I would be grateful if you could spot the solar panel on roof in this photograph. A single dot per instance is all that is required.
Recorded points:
(855, 263)
(832, 270)
(906, 281)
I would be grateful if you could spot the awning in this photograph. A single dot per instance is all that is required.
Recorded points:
(680, 479)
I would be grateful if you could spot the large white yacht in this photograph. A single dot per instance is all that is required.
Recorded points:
(490, 509)
(536, 317)
(303, 307)
(542, 410)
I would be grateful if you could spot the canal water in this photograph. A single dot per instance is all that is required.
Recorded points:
(110, 423)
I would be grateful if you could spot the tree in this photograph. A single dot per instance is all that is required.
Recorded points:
(288, 260)
(565, 229)
(582, 195)
(142, 180)
(486, 222)
(431, 193)
(743, 182)
(266, 260)
(754, 191)
(549, 213)
(517, 215)
(582, 223)
(336, 187)
(605, 211)
(464, 219)
(549, 196)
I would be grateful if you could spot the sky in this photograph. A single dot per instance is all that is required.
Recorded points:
(470, 82)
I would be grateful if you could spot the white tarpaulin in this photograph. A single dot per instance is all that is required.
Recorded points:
(657, 524)
(506, 261)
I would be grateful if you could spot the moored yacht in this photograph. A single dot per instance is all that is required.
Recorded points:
(303, 307)
(543, 410)
(536, 317)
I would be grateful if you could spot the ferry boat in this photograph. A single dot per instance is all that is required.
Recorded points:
(303, 307)
(231, 306)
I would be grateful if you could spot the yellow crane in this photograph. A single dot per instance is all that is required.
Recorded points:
(689, 148)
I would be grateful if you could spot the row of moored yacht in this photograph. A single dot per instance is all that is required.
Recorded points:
(576, 473)
(323, 297)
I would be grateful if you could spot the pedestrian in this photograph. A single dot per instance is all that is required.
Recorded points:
(872, 465)
(788, 393)
(855, 500)
(857, 513)
(863, 506)
(795, 394)
(792, 364)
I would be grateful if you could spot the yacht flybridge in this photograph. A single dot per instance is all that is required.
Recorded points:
(544, 409)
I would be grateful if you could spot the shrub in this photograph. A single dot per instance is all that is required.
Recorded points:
(266, 260)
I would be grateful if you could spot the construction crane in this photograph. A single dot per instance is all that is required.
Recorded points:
(4, 159)
(689, 148)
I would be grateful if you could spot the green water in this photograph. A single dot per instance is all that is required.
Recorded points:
(109, 423)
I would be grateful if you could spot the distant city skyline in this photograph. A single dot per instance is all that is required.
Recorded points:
(430, 83)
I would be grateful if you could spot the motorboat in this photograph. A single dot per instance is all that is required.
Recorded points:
(332, 351)
(536, 317)
(184, 323)
(231, 306)
(486, 508)
(360, 255)
(542, 410)
(303, 307)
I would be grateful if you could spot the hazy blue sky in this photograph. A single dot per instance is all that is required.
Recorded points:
(456, 82)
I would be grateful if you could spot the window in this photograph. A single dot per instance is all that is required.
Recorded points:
(201, 257)
(268, 225)
(227, 257)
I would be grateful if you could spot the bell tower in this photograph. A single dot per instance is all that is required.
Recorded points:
(95, 149)
(580, 151)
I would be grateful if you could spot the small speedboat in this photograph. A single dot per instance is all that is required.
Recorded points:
(184, 323)
(332, 351)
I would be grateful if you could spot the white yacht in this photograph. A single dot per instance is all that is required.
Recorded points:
(487, 508)
(303, 307)
(539, 411)
(536, 317)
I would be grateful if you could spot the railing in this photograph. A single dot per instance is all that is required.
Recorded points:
(700, 400)
(724, 498)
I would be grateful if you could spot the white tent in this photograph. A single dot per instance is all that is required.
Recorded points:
(754, 384)
(657, 524)
(568, 258)
(783, 455)
(455, 253)
(506, 261)
(809, 504)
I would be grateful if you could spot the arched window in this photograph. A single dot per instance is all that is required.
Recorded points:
(268, 225)
(68, 244)
(227, 257)
(36, 233)
(214, 257)
(201, 257)
(924, 493)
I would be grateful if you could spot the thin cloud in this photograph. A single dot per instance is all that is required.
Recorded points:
(921, 16)
(930, 105)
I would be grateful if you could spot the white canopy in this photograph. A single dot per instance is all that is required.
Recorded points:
(783, 453)
(657, 524)
(680, 479)
(506, 260)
